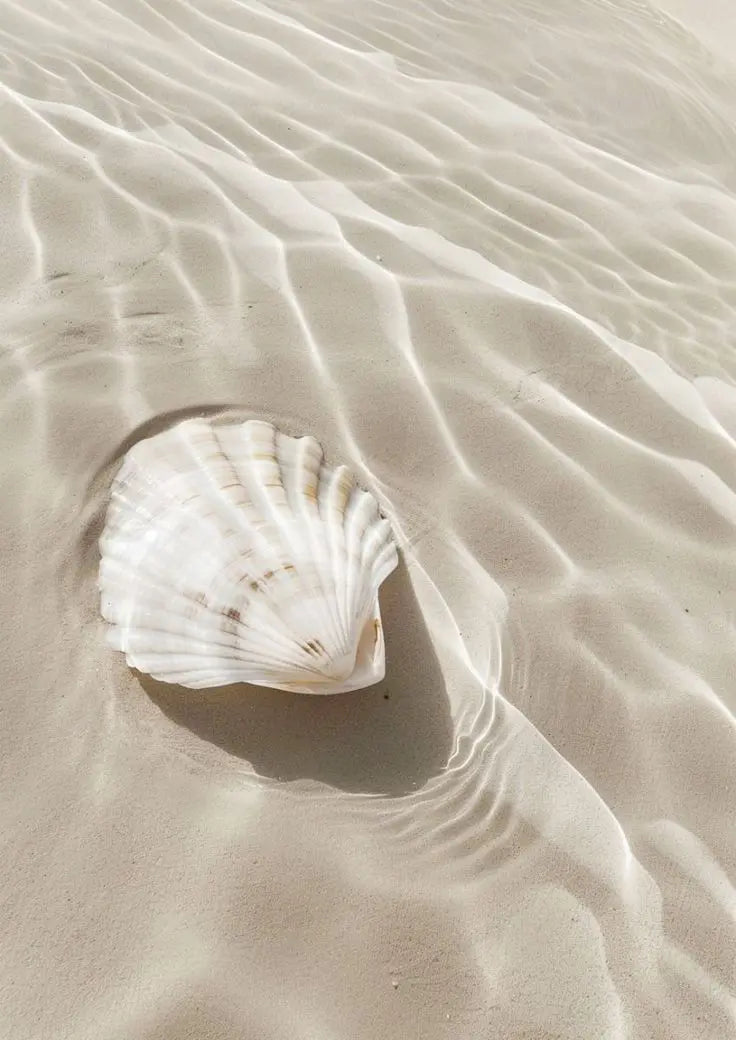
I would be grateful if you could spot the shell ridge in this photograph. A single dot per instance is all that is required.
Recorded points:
(262, 479)
(357, 524)
(148, 644)
(373, 541)
(337, 496)
(142, 657)
(303, 473)
(286, 461)
(325, 508)
(237, 506)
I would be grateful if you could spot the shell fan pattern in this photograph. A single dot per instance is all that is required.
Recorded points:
(233, 553)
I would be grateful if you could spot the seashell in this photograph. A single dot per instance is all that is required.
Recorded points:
(233, 553)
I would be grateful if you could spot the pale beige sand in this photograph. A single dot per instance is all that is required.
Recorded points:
(486, 252)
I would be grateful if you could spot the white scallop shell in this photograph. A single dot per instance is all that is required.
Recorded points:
(232, 553)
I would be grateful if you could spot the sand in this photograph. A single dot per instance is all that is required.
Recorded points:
(485, 253)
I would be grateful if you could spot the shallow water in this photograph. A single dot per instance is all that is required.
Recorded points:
(485, 253)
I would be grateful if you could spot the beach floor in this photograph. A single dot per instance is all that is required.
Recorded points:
(485, 253)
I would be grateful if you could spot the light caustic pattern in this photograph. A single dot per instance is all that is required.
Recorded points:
(486, 254)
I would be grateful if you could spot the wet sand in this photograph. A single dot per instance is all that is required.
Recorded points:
(485, 253)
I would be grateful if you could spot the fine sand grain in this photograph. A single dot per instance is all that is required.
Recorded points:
(485, 252)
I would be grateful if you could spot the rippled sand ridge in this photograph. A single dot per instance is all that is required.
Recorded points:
(485, 253)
